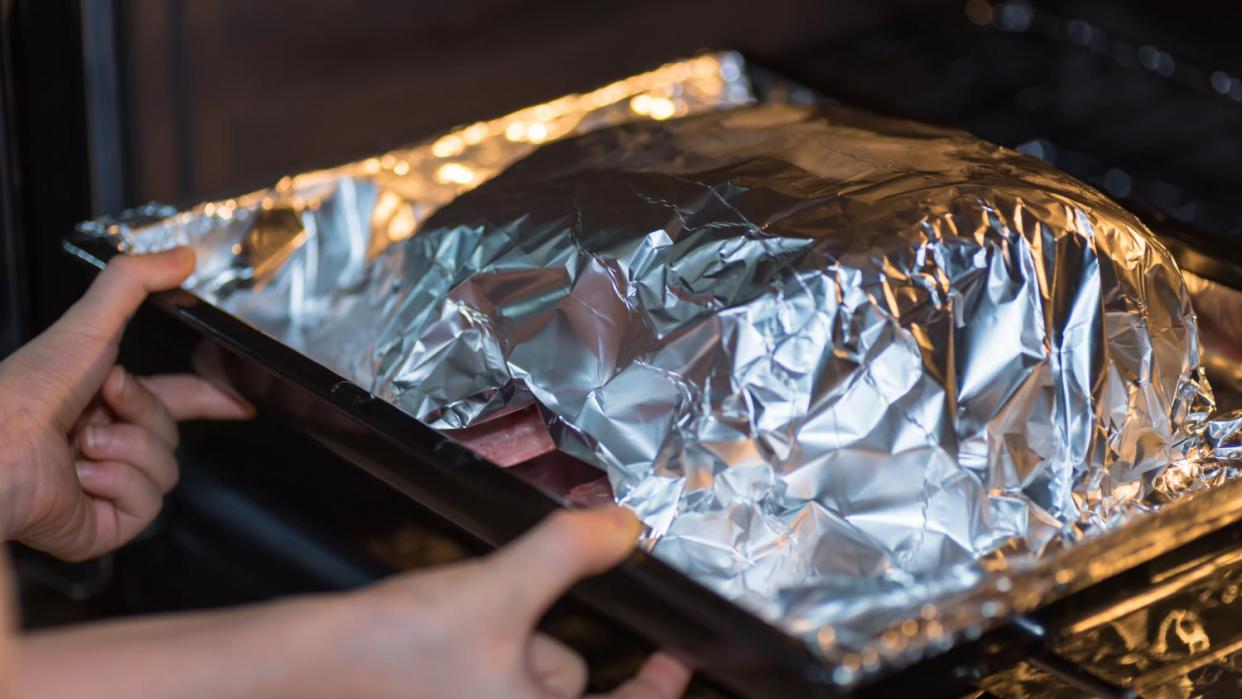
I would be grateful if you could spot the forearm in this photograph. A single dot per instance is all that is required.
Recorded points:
(268, 650)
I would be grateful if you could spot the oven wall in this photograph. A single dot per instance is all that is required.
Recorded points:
(44, 168)
(13, 310)
(230, 95)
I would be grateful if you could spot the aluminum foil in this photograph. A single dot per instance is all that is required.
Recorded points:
(843, 367)
(1182, 642)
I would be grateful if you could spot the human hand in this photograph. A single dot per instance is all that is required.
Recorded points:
(88, 448)
(468, 630)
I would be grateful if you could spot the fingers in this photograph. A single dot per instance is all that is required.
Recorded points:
(123, 285)
(131, 402)
(555, 669)
(661, 677)
(190, 397)
(95, 414)
(132, 445)
(69, 362)
(124, 501)
(540, 566)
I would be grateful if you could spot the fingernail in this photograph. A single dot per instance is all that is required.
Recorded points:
(86, 469)
(624, 519)
(97, 437)
(121, 378)
(237, 398)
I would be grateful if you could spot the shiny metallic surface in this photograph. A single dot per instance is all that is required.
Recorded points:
(881, 383)
(1177, 641)
(275, 256)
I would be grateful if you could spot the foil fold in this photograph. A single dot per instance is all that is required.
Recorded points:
(843, 367)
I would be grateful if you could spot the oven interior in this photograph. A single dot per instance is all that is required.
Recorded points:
(112, 104)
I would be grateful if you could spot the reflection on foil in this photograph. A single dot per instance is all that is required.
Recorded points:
(273, 256)
(842, 366)
(1185, 642)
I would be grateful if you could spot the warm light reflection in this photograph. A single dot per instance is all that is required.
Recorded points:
(455, 173)
(662, 108)
(515, 131)
(449, 146)
(394, 216)
(826, 636)
(418, 180)
(474, 133)
(673, 86)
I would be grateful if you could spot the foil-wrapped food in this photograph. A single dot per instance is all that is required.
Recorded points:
(840, 365)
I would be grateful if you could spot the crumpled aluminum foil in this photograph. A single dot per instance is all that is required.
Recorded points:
(826, 357)
(840, 365)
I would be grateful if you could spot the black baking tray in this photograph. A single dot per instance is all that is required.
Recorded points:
(720, 639)
(485, 500)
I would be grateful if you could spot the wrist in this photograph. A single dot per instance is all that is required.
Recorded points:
(279, 649)
(357, 644)
(304, 643)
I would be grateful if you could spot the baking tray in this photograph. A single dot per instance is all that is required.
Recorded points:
(485, 500)
(659, 603)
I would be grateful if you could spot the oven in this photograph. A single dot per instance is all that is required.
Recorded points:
(109, 104)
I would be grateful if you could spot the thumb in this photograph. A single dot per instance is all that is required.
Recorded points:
(75, 354)
(566, 547)
(124, 284)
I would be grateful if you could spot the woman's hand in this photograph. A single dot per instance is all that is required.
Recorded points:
(86, 449)
(466, 630)
(86, 454)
